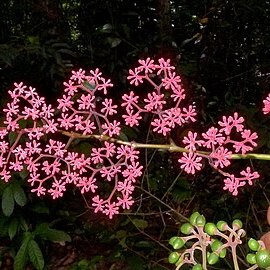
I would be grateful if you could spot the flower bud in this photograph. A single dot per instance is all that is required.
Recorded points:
(222, 225)
(210, 228)
(173, 257)
(186, 228)
(251, 258)
(200, 221)
(263, 258)
(253, 244)
(193, 218)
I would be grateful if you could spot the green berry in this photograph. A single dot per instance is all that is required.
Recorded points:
(200, 221)
(173, 257)
(253, 244)
(222, 225)
(216, 244)
(172, 240)
(223, 253)
(197, 266)
(251, 258)
(213, 258)
(178, 243)
(263, 258)
(210, 228)
(193, 218)
(237, 223)
(186, 228)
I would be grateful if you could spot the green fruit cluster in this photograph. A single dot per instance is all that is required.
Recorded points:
(261, 257)
(196, 221)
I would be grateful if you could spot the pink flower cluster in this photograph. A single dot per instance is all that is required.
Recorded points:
(163, 101)
(27, 143)
(42, 141)
(229, 137)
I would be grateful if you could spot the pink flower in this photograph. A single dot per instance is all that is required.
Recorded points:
(112, 128)
(132, 171)
(161, 126)
(191, 141)
(171, 81)
(78, 75)
(57, 189)
(108, 108)
(109, 149)
(98, 204)
(147, 65)
(134, 77)
(86, 102)
(233, 183)
(130, 99)
(154, 101)
(40, 190)
(164, 66)
(190, 162)
(221, 157)
(87, 184)
(231, 122)
(125, 187)
(70, 88)
(129, 153)
(96, 155)
(213, 137)
(65, 103)
(125, 202)
(111, 209)
(105, 84)
(132, 119)
(266, 102)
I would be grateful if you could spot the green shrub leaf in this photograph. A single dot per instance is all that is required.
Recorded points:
(7, 201)
(19, 195)
(13, 227)
(45, 232)
(35, 255)
(22, 254)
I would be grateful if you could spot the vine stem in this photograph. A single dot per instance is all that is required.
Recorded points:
(169, 147)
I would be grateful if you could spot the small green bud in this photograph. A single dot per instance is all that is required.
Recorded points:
(215, 245)
(263, 258)
(237, 223)
(173, 257)
(251, 258)
(253, 244)
(197, 266)
(222, 225)
(193, 218)
(210, 228)
(186, 228)
(200, 221)
(178, 243)
(172, 240)
(213, 258)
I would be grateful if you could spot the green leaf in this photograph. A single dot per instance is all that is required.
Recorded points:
(40, 208)
(7, 201)
(22, 254)
(35, 255)
(140, 223)
(13, 227)
(45, 232)
(19, 195)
